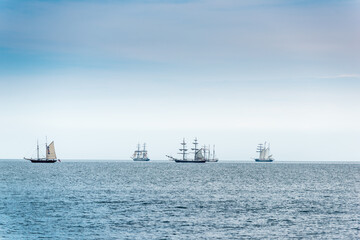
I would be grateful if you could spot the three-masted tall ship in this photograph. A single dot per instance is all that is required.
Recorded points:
(50, 156)
(140, 155)
(198, 154)
(264, 153)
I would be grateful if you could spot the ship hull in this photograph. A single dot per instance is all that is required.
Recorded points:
(212, 160)
(41, 160)
(141, 159)
(187, 161)
(263, 160)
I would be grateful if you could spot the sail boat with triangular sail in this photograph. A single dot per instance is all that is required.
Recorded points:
(50, 156)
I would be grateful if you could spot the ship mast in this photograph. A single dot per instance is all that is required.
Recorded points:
(144, 151)
(195, 148)
(183, 149)
(37, 149)
(214, 152)
(260, 150)
(206, 151)
(138, 151)
(46, 148)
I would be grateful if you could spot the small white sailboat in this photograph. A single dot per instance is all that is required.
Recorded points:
(264, 153)
(50, 156)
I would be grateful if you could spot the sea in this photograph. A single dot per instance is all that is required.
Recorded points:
(168, 200)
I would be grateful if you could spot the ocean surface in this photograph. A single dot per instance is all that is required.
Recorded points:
(167, 200)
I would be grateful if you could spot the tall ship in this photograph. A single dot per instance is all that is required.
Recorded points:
(210, 157)
(198, 154)
(50, 156)
(140, 155)
(264, 153)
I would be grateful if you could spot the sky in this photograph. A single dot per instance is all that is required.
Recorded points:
(98, 77)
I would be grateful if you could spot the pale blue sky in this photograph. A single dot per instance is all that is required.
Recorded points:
(100, 76)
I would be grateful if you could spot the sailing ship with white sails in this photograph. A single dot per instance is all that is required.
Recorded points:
(140, 155)
(208, 156)
(198, 154)
(50, 156)
(264, 153)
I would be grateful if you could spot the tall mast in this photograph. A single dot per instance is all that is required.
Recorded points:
(183, 149)
(144, 151)
(46, 148)
(138, 151)
(37, 149)
(214, 152)
(195, 149)
(205, 152)
(259, 150)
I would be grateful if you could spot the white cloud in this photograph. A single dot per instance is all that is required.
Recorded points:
(342, 76)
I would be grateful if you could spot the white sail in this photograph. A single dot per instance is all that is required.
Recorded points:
(266, 154)
(50, 151)
(262, 153)
(199, 155)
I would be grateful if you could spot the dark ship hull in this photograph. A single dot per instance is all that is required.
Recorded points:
(41, 160)
(189, 161)
(198, 158)
(263, 160)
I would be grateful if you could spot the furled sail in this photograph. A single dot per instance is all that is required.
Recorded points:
(50, 151)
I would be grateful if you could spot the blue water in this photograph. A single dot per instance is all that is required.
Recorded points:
(166, 200)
